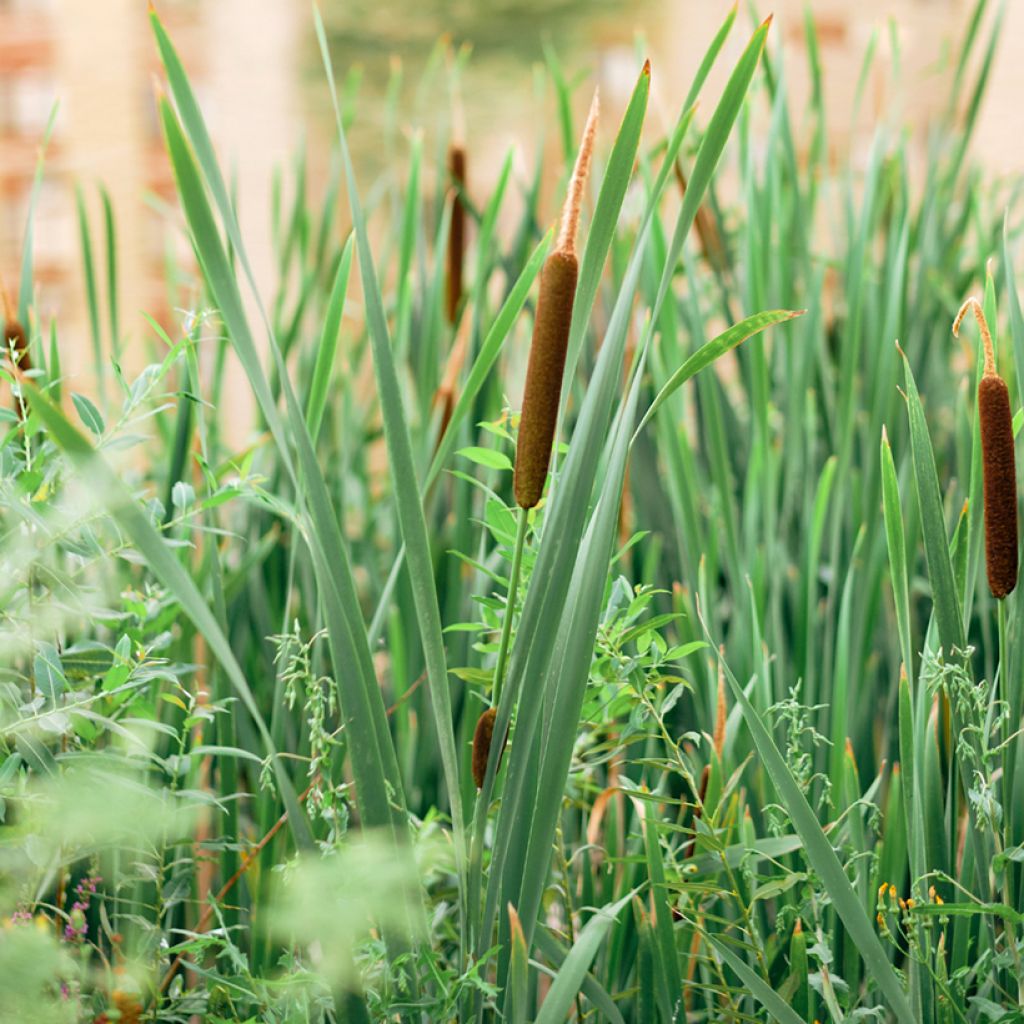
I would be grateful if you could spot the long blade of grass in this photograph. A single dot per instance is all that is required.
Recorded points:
(712, 350)
(758, 988)
(554, 951)
(933, 526)
(328, 344)
(606, 215)
(407, 493)
(557, 1003)
(374, 765)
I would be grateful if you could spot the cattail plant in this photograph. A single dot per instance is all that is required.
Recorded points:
(999, 472)
(457, 183)
(551, 337)
(540, 408)
(457, 230)
(482, 735)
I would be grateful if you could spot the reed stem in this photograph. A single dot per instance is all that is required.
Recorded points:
(510, 607)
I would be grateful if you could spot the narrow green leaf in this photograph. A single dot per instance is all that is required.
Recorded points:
(933, 524)
(407, 494)
(567, 983)
(759, 989)
(712, 350)
(328, 344)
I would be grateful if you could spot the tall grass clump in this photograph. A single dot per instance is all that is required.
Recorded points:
(716, 584)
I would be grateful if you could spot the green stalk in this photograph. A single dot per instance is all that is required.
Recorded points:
(1011, 931)
(510, 606)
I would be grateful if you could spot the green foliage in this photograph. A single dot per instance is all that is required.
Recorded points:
(764, 719)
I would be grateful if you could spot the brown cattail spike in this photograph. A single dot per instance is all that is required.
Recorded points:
(551, 336)
(574, 197)
(999, 471)
(482, 737)
(457, 230)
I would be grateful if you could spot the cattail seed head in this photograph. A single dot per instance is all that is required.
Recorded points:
(457, 230)
(546, 365)
(999, 471)
(482, 736)
(1000, 485)
(544, 376)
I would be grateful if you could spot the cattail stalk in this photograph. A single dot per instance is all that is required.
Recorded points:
(540, 414)
(457, 228)
(484, 731)
(999, 471)
(551, 336)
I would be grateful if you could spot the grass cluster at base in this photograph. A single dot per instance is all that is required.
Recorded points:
(751, 642)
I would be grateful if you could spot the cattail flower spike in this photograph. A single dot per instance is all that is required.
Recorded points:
(999, 470)
(551, 336)
(566, 242)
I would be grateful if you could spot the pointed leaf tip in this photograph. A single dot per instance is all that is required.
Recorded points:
(647, 68)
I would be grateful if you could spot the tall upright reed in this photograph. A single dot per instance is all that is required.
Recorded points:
(540, 406)
(551, 335)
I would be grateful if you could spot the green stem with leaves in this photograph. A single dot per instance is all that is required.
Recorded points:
(510, 606)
